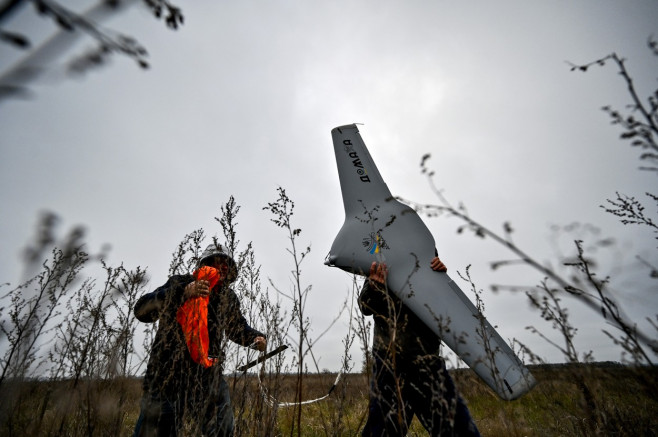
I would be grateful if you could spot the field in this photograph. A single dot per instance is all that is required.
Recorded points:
(574, 400)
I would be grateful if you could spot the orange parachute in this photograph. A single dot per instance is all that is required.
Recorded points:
(193, 319)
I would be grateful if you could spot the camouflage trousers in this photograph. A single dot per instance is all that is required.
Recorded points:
(206, 413)
(421, 387)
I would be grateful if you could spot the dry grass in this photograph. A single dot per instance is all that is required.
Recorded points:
(623, 401)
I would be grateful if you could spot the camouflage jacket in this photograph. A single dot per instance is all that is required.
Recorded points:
(171, 369)
(399, 333)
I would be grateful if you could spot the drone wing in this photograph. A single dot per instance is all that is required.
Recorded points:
(379, 228)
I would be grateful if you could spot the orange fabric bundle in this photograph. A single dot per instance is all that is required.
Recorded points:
(193, 318)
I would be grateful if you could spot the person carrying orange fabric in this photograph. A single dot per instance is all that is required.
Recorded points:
(197, 315)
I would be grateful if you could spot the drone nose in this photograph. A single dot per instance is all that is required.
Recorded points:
(330, 260)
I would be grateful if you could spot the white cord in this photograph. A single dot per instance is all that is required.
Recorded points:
(272, 402)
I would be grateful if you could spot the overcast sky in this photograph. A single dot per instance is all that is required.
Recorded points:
(242, 99)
